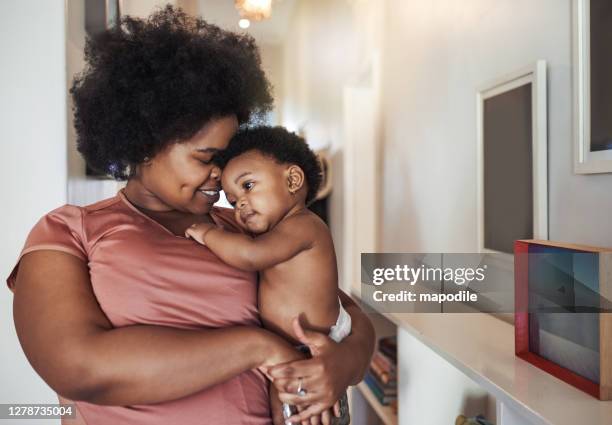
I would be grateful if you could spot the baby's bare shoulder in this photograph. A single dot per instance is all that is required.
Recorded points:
(306, 219)
(306, 224)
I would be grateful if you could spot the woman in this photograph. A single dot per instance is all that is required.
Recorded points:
(114, 308)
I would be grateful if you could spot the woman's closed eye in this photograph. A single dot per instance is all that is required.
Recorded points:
(206, 158)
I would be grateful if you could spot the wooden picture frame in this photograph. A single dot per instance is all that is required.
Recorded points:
(591, 62)
(520, 166)
(526, 276)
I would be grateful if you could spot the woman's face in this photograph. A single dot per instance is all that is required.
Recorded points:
(182, 176)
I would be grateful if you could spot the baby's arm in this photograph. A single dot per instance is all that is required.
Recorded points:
(287, 239)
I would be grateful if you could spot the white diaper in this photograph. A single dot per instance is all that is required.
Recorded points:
(342, 328)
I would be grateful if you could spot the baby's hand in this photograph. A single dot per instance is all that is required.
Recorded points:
(198, 231)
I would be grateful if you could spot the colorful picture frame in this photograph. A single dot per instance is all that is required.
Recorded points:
(562, 323)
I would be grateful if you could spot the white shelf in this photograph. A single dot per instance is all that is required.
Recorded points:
(482, 347)
(385, 413)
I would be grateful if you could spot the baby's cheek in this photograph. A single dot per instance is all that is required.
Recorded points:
(238, 219)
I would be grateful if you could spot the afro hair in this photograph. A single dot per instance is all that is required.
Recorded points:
(152, 82)
(282, 146)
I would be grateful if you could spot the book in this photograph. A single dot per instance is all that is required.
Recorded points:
(384, 362)
(380, 396)
(388, 346)
(382, 375)
(387, 390)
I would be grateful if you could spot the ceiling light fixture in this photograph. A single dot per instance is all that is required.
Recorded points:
(244, 23)
(255, 10)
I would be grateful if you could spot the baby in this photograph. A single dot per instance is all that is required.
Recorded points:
(269, 177)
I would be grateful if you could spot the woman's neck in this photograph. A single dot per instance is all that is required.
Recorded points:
(173, 220)
(144, 199)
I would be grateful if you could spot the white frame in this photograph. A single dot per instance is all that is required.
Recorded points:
(536, 76)
(585, 161)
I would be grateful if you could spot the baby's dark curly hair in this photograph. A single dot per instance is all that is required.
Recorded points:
(281, 145)
(157, 81)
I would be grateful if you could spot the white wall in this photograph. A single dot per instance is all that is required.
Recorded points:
(432, 392)
(436, 53)
(143, 8)
(319, 58)
(272, 64)
(33, 160)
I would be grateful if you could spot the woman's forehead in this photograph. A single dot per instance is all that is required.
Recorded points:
(214, 135)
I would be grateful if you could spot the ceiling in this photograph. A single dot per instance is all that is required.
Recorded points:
(269, 31)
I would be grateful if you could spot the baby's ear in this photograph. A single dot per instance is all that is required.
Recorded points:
(295, 178)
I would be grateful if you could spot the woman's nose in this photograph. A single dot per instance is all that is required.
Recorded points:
(215, 173)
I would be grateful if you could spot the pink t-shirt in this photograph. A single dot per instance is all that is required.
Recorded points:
(141, 273)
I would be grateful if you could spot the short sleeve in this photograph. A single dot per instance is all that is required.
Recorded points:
(59, 230)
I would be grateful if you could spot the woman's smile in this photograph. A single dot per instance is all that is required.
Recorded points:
(211, 194)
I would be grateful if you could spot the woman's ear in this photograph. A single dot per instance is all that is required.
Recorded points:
(295, 178)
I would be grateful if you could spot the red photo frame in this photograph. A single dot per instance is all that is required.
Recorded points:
(602, 389)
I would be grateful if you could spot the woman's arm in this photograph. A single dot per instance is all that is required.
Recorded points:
(72, 345)
(333, 367)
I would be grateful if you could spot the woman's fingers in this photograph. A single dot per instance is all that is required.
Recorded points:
(318, 389)
(312, 415)
(296, 369)
(305, 421)
(264, 370)
(316, 341)
(298, 400)
(285, 385)
(315, 420)
(320, 376)
(326, 417)
(305, 337)
(281, 354)
(305, 414)
(291, 385)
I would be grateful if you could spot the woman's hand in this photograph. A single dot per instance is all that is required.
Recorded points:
(325, 377)
(278, 417)
(277, 352)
